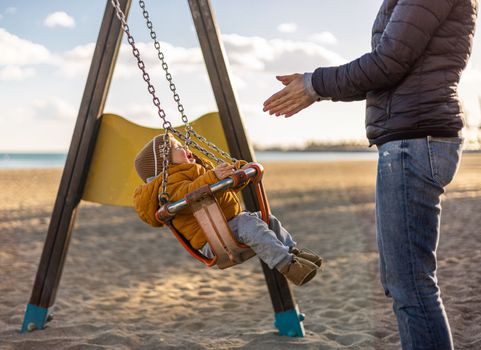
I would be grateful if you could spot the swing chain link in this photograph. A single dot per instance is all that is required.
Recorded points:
(193, 144)
(214, 147)
(180, 107)
(165, 150)
(167, 126)
(165, 67)
(121, 16)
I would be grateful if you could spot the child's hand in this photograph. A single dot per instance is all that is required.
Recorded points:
(223, 170)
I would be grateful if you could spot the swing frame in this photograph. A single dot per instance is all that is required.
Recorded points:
(288, 319)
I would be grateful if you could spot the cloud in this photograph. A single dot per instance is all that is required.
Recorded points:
(287, 27)
(470, 95)
(324, 38)
(252, 54)
(18, 51)
(471, 75)
(40, 125)
(76, 62)
(11, 10)
(59, 19)
(41, 110)
(179, 59)
(140, 113)
(53, 108)
(12, 72)
(277, 55)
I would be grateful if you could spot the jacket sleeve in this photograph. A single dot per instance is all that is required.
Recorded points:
(146, 202)
(179, 189)
(309, 89)
(408, 32)
(358, 97)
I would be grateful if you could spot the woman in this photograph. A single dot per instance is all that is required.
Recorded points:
(414, 117)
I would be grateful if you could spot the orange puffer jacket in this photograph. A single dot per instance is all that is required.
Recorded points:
(183, 178)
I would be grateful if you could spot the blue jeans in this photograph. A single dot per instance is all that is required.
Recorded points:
(411, 178)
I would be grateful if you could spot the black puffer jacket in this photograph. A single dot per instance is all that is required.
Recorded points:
(410, 78)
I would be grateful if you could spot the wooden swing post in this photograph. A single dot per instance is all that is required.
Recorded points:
(75, 170)
(288, 319)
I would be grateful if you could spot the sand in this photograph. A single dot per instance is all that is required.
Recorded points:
(128, 286)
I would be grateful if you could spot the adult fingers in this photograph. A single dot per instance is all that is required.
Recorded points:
(286, 79)
(293, 111)
(283, 79)
(273, 100)
(283, 107)
(297, 108)
(286, 102)
(276, 104)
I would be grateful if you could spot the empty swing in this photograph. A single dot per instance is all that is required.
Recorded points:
(227, 251)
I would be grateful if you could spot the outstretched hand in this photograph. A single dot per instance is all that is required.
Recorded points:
(290, 99)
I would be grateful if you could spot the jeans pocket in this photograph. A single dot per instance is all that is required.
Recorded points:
(444, 155)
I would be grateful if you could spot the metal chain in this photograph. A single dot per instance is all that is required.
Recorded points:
(201, 149)
(180, 107)
(167, 126)
(165, 67)
(140, 63)
(165, 150)
(214, 147)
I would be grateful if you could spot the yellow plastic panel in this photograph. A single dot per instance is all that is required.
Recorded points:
(112, 177)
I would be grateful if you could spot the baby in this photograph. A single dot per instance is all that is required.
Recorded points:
(186, 172)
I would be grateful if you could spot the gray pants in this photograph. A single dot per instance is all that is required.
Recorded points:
(270, 243)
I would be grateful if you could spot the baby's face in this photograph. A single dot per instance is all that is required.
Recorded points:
(181, 154)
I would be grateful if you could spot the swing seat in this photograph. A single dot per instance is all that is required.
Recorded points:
(227, 250)
(112, 179)
(205, 208)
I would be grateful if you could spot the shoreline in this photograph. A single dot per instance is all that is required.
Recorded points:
(57, 160)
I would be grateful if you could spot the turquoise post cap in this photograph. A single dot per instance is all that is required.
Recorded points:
(289, 323)
(35, 318)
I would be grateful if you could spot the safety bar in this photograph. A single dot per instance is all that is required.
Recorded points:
(222, 185)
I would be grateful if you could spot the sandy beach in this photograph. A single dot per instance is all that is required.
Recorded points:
(126, 285)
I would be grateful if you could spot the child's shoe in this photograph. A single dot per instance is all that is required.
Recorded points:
(299, 271)
(308, 255)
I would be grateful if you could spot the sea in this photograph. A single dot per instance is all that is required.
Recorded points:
(57, 160)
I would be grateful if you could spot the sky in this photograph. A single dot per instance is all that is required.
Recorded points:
(46, 48)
